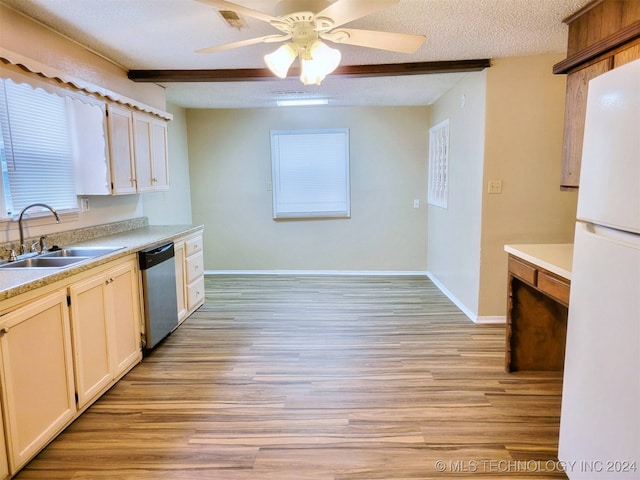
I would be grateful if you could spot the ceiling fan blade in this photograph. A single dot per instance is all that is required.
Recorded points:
(244, 43)
(344, 11)
(223, 5)
(394, 42)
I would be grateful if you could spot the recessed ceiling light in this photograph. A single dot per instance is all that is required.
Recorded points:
(302, 101)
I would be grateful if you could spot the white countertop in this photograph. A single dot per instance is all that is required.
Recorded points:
(555, 257)
(15, 282)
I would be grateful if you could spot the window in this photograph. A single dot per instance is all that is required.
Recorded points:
(35, 149)
(310, 173)
(438, 188)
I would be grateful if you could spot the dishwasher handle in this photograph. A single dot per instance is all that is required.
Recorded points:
(155, 255)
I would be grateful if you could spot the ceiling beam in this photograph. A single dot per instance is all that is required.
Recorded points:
(258, 74)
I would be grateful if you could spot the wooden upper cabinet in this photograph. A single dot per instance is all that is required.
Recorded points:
(603, 35)
(574, 114)
(600, 21)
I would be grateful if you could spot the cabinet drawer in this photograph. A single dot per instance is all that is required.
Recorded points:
(195, 293)
(522, 270)
(195, 267)
(193, 245)
(554, 287)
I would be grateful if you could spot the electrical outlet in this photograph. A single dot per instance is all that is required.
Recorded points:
(494, 186)
(416, 203)
(84, 204)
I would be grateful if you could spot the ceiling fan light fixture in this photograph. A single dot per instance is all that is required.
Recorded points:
(281, 59)
(321, 61)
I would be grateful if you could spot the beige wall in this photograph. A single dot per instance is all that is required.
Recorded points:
(522, 146)
(454, 233)
(20, 35)
(173, 207)
(230, 166)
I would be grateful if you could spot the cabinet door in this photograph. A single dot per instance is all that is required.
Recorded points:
(195, 294)
(160, 157)
(4, 462)
(89, 146)
(121, 150)
(142, 139)
(124, 299)
(575, 110)
(181, 283)
(37, 375)
(89, 317)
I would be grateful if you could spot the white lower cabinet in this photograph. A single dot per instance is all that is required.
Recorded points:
(189, 274)
(4, 461)
(61, 349)
(37, 375)
(105, 320)
(181, 286)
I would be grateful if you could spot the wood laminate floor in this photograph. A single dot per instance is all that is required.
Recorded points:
(318, 378)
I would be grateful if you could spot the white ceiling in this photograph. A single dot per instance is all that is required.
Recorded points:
(163, 34)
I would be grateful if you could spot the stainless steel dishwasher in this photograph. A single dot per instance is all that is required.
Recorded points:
(157, 266)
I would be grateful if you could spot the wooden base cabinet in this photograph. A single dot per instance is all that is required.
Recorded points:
(105, 319)
(537, 313)
(37, 375)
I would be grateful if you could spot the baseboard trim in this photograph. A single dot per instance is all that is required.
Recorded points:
(379, 273)
(472, 316)
(492, 319)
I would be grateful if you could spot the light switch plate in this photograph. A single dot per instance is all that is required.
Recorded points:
(494, 186)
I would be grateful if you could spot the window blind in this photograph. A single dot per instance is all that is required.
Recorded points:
(37, 150)
(310, 173)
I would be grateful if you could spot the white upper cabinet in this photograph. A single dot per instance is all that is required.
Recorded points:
(160, 155)
(120, 135)
(87, 122)
(138, 147)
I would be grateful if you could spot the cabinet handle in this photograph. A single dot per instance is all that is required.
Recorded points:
(4, 330)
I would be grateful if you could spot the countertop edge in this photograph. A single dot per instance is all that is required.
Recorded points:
(555, 257)
(137, 239)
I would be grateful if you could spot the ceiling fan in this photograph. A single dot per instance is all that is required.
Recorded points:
(305, 23)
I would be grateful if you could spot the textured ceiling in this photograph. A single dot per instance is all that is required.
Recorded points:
(163, 34)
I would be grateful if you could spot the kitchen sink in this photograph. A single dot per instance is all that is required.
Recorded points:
(81, 252)
(44, 262)
(61, 258)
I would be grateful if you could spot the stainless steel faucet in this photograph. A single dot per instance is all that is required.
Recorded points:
(23, 247)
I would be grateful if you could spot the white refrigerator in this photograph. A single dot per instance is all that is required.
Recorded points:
(600, 417)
